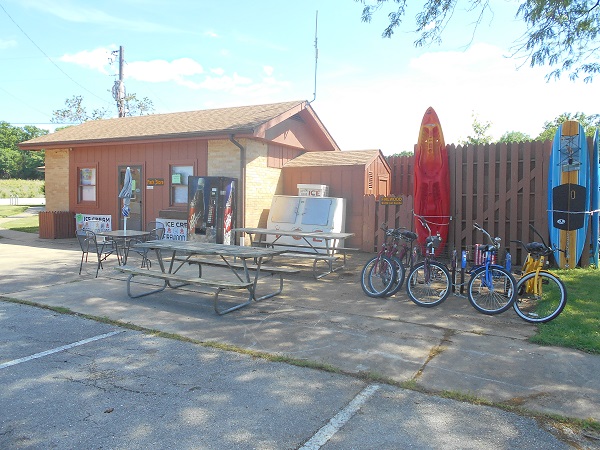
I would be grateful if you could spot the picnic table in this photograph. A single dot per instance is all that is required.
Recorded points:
(313, 245)
(123, 240)
(240, 260)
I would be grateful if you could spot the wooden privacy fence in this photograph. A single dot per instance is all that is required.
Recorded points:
(502, 187)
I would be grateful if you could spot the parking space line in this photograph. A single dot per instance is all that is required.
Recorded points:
(59, 349)
(321, 437)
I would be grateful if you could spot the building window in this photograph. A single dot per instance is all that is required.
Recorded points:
(179, 184)
(87, 184)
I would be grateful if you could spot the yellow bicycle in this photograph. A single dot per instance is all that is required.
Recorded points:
(541, 295)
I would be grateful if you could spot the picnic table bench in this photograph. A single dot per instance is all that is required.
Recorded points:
(168, 278)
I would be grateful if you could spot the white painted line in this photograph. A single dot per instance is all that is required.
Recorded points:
(339, 420)
(58, 349)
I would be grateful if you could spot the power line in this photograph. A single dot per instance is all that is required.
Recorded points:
(48, 57)
(24, 103)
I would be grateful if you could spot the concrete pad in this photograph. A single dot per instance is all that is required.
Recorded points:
(450, 347)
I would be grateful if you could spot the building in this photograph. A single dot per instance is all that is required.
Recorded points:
(258, 145)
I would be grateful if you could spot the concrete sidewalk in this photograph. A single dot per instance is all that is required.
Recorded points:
(330, 321)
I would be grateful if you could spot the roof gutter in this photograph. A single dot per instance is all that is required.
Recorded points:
(242, 185)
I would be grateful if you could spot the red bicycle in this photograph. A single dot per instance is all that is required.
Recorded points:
(383, 275)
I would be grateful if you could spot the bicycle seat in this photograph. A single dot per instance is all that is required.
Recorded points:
(407, 235)
(536, 247)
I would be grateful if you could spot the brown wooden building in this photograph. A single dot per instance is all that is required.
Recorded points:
(85, 164)
(349, 174)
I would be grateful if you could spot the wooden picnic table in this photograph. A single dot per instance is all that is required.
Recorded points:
(316, 245)
(234, 257)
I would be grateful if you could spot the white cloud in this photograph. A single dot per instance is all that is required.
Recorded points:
(7, 43)
(211, 34)
(157, 71)
(74, 11)
(223, 83)
(386, 112)
(185, 72)
(98, 59)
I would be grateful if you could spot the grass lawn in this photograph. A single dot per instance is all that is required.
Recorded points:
(7, 211)
(578, 326)
(28, 224)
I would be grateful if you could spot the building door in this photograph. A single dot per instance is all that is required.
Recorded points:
(136, 214)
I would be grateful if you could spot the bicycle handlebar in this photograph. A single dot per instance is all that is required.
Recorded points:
(495, 241)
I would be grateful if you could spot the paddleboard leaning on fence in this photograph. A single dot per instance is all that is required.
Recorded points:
(572, 194)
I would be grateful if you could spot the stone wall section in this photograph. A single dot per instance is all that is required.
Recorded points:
(262, 182)
(57, 180)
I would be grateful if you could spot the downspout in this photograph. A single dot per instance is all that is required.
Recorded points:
(242, 184)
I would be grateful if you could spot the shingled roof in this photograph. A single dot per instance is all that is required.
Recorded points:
(344, 158)
(242, 120)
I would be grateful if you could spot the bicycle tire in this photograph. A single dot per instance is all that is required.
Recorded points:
(377, 276)
(543, 304)
(400, 275)
(428, 291)
(494, 299)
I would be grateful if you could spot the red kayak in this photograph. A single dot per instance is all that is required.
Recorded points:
(431, 187)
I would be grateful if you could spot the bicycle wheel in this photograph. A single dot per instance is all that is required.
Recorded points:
(540, 297)
(400, 275)
(377, 276)
(492, 291)
(428, 283)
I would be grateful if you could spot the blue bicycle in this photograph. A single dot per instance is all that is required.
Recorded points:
(491, 288)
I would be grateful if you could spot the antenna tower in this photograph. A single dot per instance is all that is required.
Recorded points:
(316, 55)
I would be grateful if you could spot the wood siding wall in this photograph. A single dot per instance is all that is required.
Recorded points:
(155, 159)
(503, 187)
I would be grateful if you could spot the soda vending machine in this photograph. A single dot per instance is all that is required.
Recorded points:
(211, 209)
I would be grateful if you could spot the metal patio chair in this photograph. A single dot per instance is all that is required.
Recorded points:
(89, 244)
(157, 232)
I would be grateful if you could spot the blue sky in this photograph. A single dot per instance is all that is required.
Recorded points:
(195, 54)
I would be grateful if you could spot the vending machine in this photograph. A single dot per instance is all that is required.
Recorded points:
(211, 209)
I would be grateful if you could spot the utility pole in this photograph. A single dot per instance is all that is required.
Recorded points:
(118, 90)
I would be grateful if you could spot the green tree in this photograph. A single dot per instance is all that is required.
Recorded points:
(136, 107)
(514, 136)
(480, 130)
(16, 163)
(589, 123)
(561, 34)
(75, 112)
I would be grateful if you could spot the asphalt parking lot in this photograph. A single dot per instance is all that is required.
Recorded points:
(69, 382)
(133, 389)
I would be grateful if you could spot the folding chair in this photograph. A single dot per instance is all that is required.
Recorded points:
(89, 244)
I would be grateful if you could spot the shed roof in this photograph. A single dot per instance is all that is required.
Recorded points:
(252, 121)
(343, 158)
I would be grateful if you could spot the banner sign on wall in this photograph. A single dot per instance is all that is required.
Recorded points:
(93, 222)
(175, 230)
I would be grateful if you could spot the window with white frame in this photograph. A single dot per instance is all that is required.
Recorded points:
(179, 183)
(87, 184)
